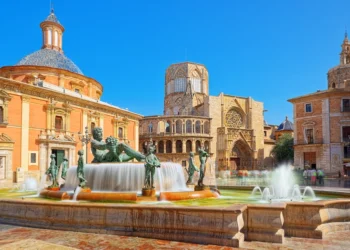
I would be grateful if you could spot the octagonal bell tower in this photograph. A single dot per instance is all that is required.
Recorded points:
(186, 86)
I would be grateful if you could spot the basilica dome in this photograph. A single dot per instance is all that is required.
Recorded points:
(51, 53)
(50, 58)
(285, 125)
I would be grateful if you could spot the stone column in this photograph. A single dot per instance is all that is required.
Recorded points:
(183, 146)
(164, 146)
(173, 145)
(25, 133)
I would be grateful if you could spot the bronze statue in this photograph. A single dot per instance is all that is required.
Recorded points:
(111, 150)
(80, 169)
(52, 171)
(191, 169)
(64, 168)
(203, 156)
(151, 164)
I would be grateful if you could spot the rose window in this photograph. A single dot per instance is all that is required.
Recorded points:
(233, 119)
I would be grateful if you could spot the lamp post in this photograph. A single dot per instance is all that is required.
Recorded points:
(85, 139)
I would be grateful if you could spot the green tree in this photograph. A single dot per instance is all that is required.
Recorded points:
(283, 150)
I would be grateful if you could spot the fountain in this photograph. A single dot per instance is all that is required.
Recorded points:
(127, 177)
(227, 222)
(283, 187)
(112, 178)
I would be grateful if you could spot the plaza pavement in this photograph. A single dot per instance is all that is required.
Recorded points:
(15, 237)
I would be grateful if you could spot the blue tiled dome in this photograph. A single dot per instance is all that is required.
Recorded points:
(52, 18)
(286, 125)
(50, 58)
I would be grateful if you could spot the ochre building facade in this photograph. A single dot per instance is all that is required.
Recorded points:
(322, 122)
(45, 102)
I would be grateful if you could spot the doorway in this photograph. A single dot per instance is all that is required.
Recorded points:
(234, 163)
(310, 159)
(59, 156)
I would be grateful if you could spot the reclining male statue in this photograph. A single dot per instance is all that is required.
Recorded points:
(111, 150)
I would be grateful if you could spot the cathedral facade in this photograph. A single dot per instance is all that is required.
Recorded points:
(230, 128)
(46, 105)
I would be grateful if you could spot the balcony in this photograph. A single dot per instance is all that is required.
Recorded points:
(310, 141)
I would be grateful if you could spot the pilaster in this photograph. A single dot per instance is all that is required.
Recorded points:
(25, 133)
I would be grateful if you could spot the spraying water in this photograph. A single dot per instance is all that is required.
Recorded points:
(76, 192)
(282, 187)
(127, 177)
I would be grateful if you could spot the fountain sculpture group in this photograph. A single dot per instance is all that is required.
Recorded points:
(108, 153)
(228, 226)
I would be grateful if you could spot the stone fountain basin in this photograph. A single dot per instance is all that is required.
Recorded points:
(129, 196)
(228, 226)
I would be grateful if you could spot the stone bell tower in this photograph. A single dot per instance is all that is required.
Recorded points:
(186, 86)
(345, 53)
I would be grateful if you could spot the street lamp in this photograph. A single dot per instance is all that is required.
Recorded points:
(85, 139)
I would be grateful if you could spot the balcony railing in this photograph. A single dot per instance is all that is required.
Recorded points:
(309, 141)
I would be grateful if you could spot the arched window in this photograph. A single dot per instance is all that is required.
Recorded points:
(93, 125)
(1, 114)
(198, 145)
(150, 128)
(178, 146)
(161, 127)
(169, 147)
(179, 126)
(167, 127)
(188, 146)
(161, 147)
(49, 37)
(198, 127)
(180, 84)
(120, 133)
(206, 146)
(206, 128)
(55, 38)
(188, 126)
(333, 85)
(58, 122)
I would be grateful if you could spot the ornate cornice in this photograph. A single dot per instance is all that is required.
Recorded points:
(4, 95)
(22, 88)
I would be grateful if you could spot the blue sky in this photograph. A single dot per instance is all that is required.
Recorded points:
(270, 50)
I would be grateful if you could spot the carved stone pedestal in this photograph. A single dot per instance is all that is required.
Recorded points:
(190, 186)
(148, 192)
(201, 188)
